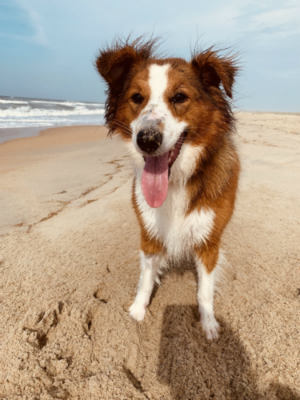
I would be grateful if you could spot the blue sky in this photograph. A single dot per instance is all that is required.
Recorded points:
(47, 47)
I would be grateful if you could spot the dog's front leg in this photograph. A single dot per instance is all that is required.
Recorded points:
(207, 262)
(148, 276)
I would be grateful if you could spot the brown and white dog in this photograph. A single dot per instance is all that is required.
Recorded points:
(175, 119)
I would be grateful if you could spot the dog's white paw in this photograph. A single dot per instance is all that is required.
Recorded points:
(137, 311)
(210, 326)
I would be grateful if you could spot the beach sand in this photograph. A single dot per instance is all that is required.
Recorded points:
(69, 266)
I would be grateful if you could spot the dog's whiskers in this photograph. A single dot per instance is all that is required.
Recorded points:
(122, 126)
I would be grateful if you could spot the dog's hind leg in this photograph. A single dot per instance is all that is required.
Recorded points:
(207, 263)
(149, 274)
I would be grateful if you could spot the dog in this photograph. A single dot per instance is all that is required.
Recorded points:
(176, 121)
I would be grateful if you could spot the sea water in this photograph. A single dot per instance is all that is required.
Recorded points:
(18, 112)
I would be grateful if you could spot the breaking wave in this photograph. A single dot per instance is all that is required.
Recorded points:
(21, 112)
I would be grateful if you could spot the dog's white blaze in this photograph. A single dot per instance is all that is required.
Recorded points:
(157, 108)
(158, 82)
(205, 297)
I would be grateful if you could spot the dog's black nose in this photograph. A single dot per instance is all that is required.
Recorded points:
(149, 140)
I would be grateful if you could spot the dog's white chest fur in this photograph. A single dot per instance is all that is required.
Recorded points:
(169, 224)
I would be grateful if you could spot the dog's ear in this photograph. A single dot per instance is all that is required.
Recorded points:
(114, 63)
(214, 70)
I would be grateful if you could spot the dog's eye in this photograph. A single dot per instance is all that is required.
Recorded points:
(179, 98)
(137, 98)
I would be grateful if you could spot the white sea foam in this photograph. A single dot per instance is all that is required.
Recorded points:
(18, 112)
(12, 102)
(26, 111)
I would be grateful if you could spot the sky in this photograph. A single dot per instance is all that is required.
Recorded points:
(47, 47)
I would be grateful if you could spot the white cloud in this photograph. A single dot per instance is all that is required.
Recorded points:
(236, 20)
(39, 36)
(35, 20)
(277, 22)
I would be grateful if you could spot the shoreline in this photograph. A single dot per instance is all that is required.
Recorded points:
(80, 133)
(9, 134)
(20, 151)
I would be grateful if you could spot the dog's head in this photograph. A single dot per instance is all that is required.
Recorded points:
(161, 106)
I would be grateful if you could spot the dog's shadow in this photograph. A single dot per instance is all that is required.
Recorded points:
(197, 369)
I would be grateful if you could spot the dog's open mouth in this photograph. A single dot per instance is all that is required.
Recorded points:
(155, 177)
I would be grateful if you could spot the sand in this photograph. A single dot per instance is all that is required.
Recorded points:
(69, 267)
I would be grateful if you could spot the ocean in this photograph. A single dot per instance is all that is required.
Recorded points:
(18, 112)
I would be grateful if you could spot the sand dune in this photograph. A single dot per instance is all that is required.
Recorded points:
(69, 268)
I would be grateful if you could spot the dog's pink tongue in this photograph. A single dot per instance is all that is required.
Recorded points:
(155, 180)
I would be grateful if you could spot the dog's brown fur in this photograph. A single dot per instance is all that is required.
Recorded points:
(209, 115)
(207, 83)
